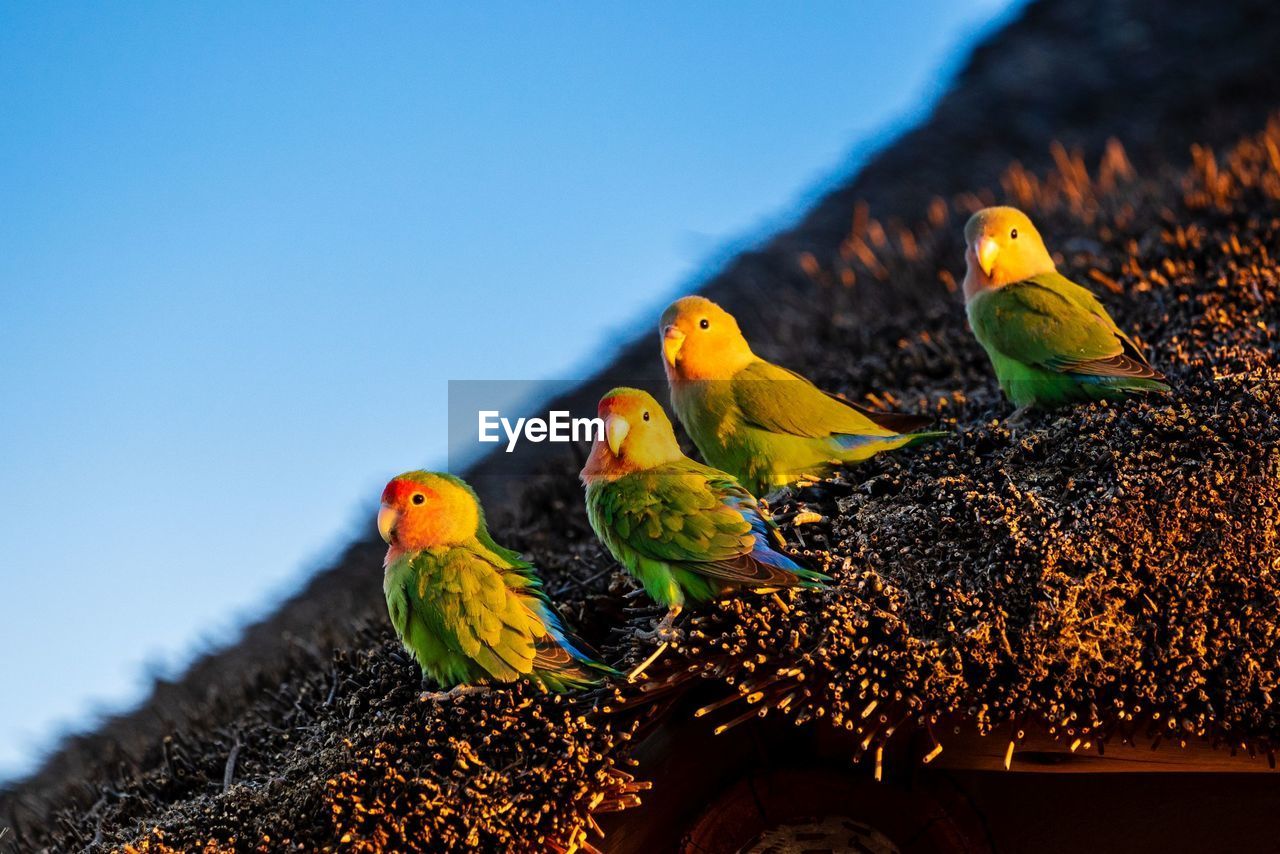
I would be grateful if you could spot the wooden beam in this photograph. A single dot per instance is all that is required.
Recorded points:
(1040, 753)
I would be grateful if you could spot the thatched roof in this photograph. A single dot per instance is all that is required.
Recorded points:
(1107, 573)
(1104, 572)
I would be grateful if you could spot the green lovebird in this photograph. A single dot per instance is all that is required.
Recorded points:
(764, 424)
(686, 531)
(468, 609)
(1050, 341)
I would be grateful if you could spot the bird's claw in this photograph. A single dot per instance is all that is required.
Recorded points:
(665, 631)
(453, 693)
(1018, 417)
(660, 633)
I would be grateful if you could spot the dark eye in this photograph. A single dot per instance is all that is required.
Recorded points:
(704, 323)
(1013, 235)
(646, 416)
(418, 498)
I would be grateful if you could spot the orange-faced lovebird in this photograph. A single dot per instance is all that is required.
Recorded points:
(762, 423)
(687, 532)
(1050, 341)
(468, 609)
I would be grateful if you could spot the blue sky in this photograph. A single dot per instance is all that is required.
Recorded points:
(244, 246)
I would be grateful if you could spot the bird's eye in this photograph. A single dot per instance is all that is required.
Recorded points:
(646, 416)
(418, 498)
(1013, 235)
(704, 323)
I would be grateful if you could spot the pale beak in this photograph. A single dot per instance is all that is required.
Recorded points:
(672, 341)
(387, 518)
(986, 252)
(616, 429)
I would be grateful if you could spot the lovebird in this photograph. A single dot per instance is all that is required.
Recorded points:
(1050, 341)
(468, 609)
(764, 424)
(686, 531)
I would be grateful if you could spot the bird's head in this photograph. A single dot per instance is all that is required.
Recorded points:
(422, 509)
(637, 434)
(701, 341)
(1002, 246)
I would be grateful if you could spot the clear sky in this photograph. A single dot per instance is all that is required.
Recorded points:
(243, 247)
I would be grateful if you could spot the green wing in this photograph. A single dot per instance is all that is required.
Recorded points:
(781, 401)
(517, 572)
(463, 599)
(557, 649)
(1052, 323)
(693, 517)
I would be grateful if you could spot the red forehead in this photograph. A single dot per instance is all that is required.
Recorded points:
(398, 491)
(619, 403)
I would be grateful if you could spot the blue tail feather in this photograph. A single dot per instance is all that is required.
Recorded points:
(849, 441)
(571, 643)
(765, 553)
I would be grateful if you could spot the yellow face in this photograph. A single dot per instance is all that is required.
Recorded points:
(1002, 246)
(701, 341)
(421, 510)
(637, 432)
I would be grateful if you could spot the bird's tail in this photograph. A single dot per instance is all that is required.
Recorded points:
(859, 446)
(764, 552)
(563, 662)
(581, 676)
(925, 437)
(811, 579)
(1132, 385)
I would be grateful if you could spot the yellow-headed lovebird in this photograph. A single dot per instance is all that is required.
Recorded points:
(762, 423)
(468, 609)
(686, 531)
(1050, 341)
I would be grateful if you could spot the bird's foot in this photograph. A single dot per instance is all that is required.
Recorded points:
(665, 630)
(1018, 418)
(453, 693)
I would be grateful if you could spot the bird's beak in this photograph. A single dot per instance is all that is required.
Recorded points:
(387, 518)
(986, 251)
(616, 429)
(672, 341)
